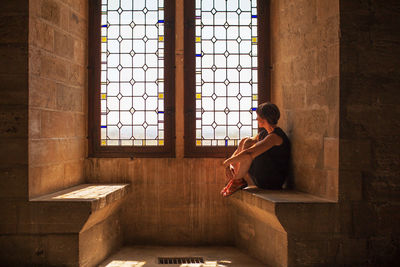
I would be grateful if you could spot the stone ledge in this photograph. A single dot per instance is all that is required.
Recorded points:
(279, 226)
(98, 195)
(287, 210)
(73, 210)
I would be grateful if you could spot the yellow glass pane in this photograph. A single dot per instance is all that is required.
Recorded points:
(103, 39)
(198, 96)
(161, 38)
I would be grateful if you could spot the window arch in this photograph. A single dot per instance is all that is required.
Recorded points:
(131, 78)
(226, 73)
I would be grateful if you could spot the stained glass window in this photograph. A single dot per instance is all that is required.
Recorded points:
(132, 73)
(226, 71)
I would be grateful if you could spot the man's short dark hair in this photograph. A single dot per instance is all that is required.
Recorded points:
(269, 112)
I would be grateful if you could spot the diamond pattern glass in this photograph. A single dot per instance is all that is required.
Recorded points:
(226, 71)
(132, 73)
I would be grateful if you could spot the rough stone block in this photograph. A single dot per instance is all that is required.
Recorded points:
(30, 250)
(63, 45)
(332, 185)
(8, 223)
(384, 250)
(355, 154)
(56, 124)
(352, 251)
(309, 150)
(73, 173)
(77, 25)
(64, 18)
(34, 123)
(14, 58)
(344, 219)
(15, 7)
(45, 179)
(80, 6)
(350, 184)
(14, 89)
(327, 9)
(306, 252)
(13, 29)
(388, 218)
(41, 34)
(324, 94)
(362, 213)
(14, 181)
(294, 96)
(53, 68)
(45, 152)
(331, 153)
(14, 151)
(80, 52)
(98, 242)
(34, 59)
(77, 75)
(69, 99)
(50, 11)
(251, 236)
(42, 92)
(380, 187)
(80, 125)
(310, 123)
(62, 250)
(13, 121)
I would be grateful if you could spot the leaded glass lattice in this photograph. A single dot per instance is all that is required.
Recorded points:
(132, 73)
(226, 71)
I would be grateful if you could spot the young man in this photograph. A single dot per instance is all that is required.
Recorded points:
(264, 157)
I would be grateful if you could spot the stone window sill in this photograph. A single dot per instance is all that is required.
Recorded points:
(97, 195)
(287, 210)
(75, 209)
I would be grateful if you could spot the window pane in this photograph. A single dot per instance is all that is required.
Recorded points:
(226, 66)
(132, 80)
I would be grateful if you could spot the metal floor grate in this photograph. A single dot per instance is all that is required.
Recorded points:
(180, 260)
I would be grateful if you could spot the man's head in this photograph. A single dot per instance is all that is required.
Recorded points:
(269, 112)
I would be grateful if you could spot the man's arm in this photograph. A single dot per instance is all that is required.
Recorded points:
(257, 149)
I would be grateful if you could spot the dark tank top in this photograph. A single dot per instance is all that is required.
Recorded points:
(278, 154)
(270, 169)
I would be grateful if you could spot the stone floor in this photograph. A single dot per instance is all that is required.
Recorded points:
(213, 256)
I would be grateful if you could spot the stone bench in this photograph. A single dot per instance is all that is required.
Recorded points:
(283, 227)
(82, 223)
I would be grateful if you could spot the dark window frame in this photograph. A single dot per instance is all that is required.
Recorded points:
(95, 149)
(191, 150)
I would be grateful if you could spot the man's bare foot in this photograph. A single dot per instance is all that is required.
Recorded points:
(234, 186)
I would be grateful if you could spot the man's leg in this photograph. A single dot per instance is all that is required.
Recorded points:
(230, 170)
(241, 168)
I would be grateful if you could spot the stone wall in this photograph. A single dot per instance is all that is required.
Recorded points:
(43, 123)
(57, 94)
(305, 86)
(370, 126)
(172, 201)
(13, 112)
